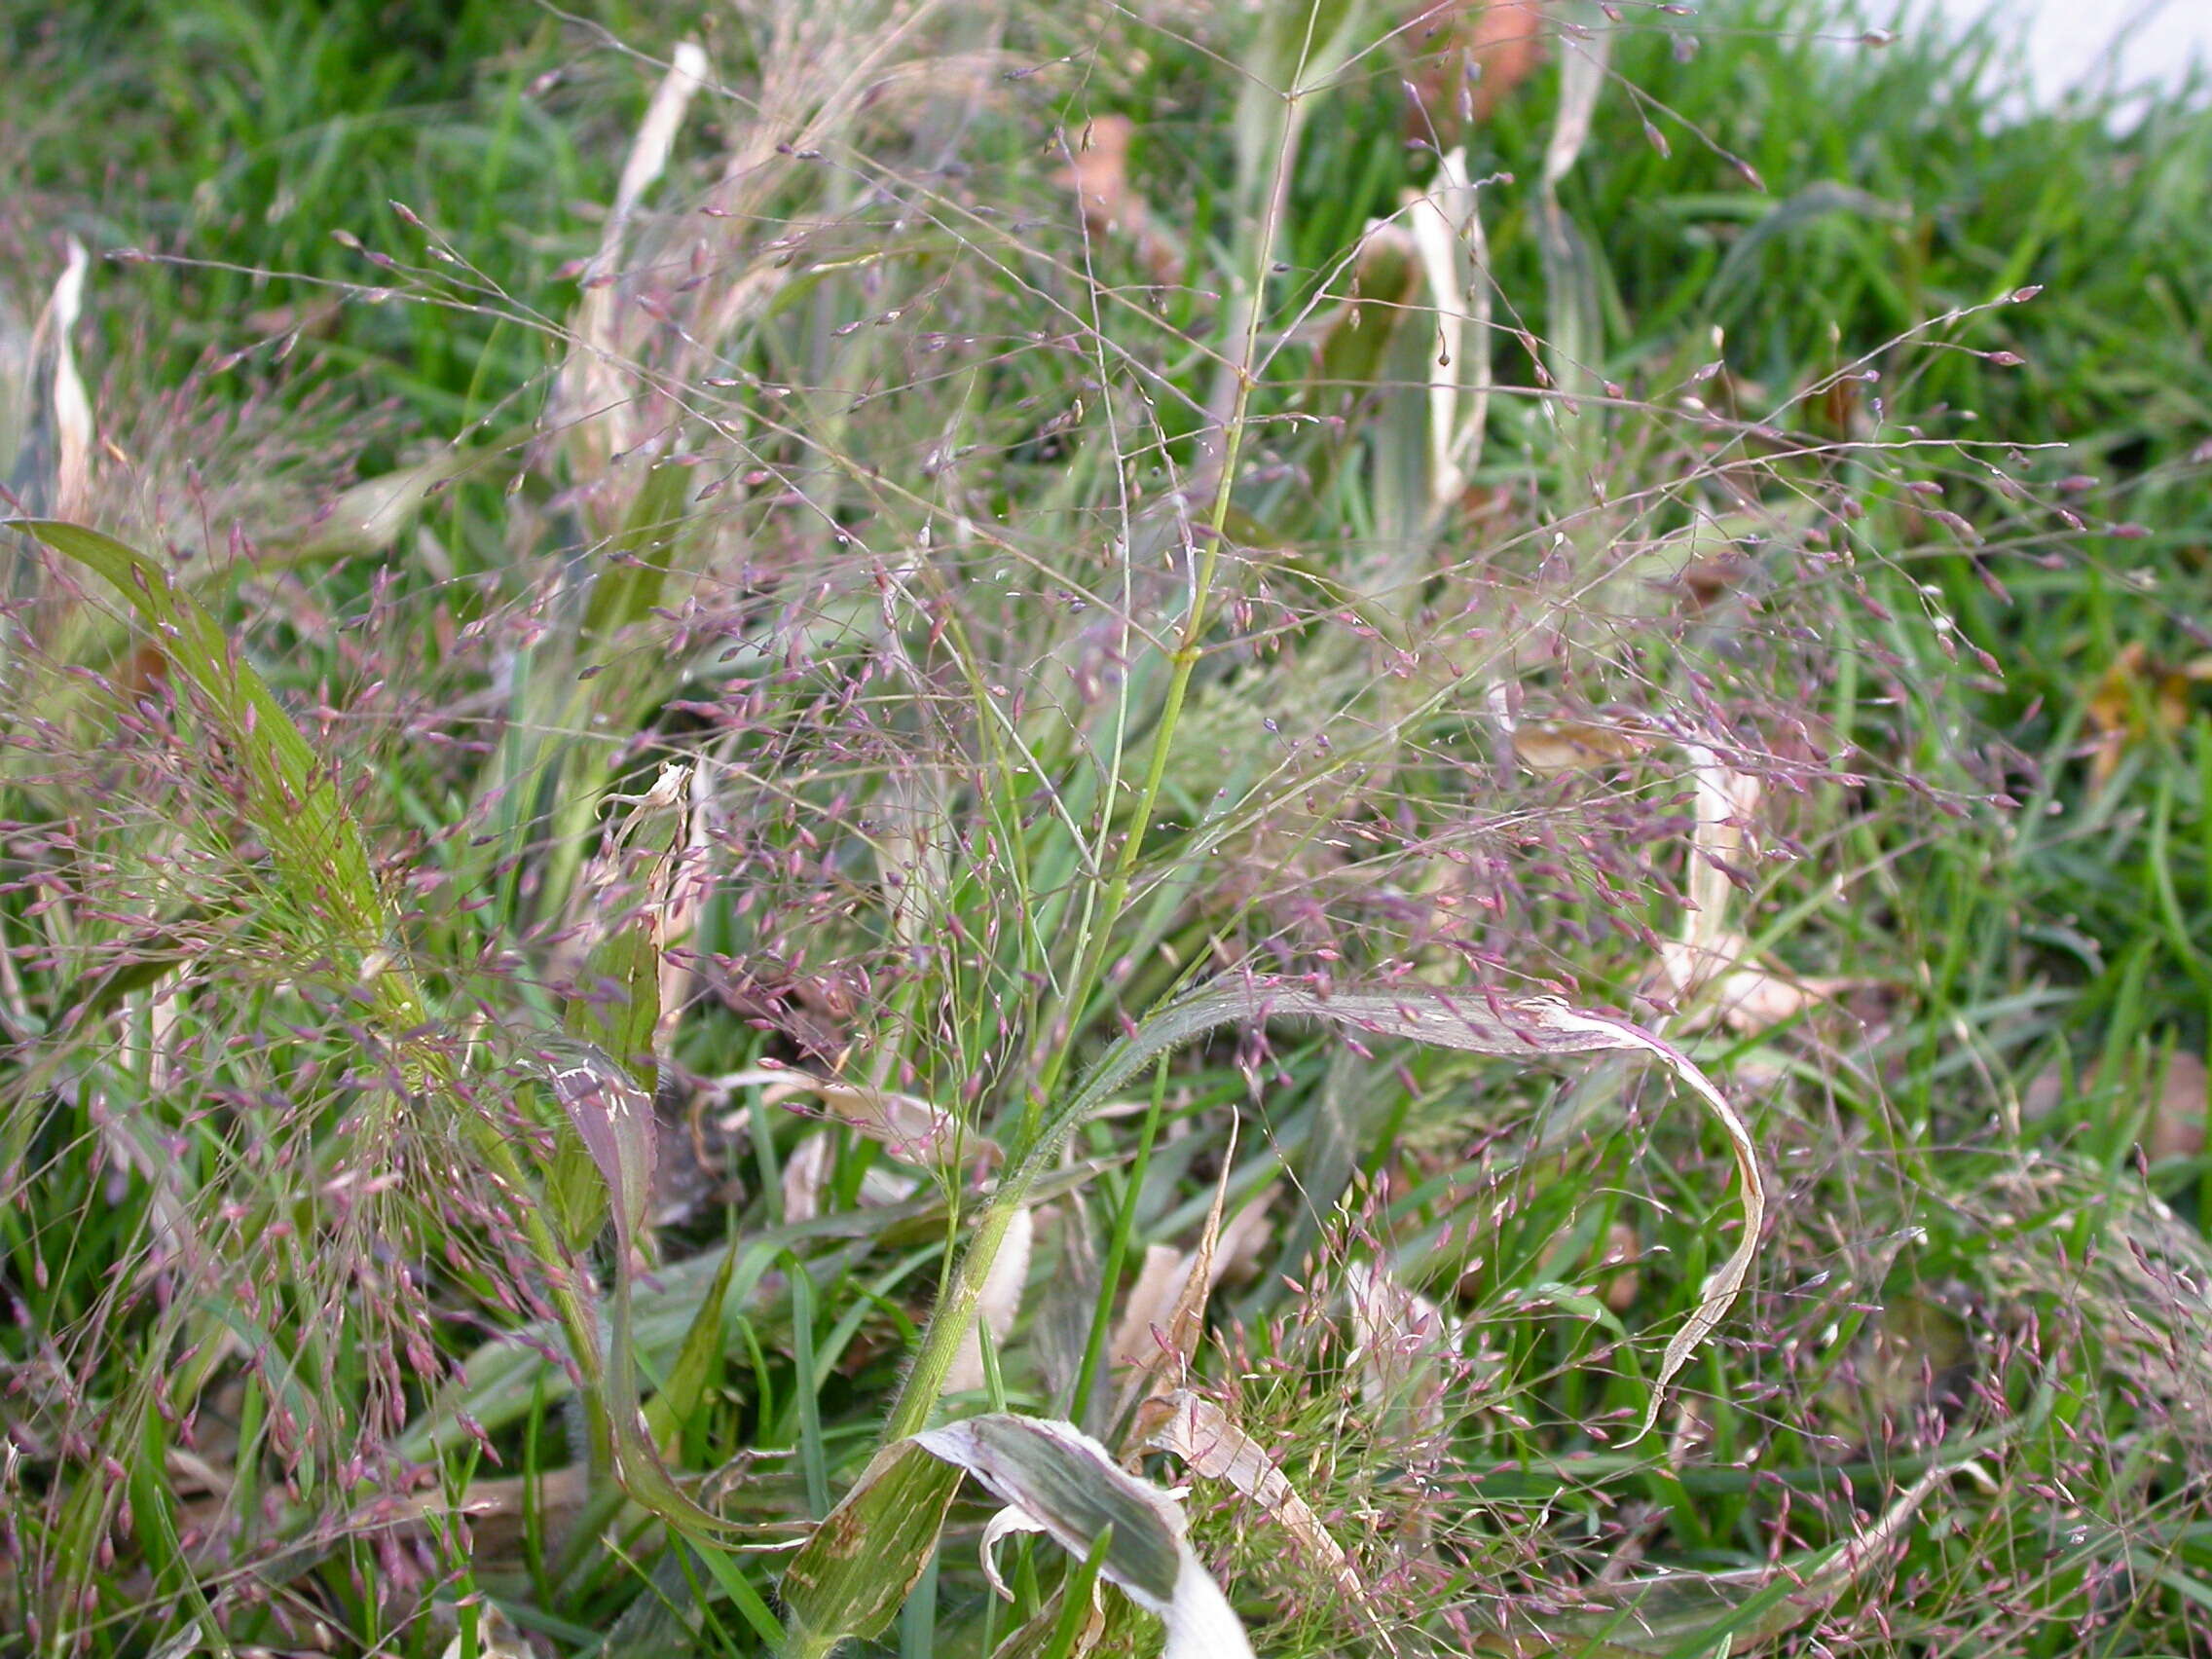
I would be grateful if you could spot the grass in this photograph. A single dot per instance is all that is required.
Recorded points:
(1041, 736)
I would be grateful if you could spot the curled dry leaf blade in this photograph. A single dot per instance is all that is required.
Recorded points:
(1187, 1425)
(912, 1129)
(71, 405)
(1514, 1027)
(1169, 1340)
(595, 395)
(1482, 1023)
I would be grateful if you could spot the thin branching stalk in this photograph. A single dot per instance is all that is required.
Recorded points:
(955, 1315)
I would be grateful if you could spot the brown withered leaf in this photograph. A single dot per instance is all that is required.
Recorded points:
(1548, 747)
(1167, 1302)
(1111, 204)
(1491, 1023)
(1473, 55)
(2137, 700)
(910, 1129)
(2176, 1129)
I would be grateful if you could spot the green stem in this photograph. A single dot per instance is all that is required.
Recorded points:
(956, 1313)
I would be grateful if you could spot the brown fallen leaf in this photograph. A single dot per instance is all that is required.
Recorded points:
(1111, 205)
(2176, 1114)
(1473, 55)
(1548, 747)
(1167, 1302)
(2136, 700)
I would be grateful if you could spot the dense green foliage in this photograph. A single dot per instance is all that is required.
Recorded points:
(849, 710)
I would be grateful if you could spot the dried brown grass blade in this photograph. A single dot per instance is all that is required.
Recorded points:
(1192, 1427)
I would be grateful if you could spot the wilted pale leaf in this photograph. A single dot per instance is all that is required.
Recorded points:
(911, 1130)
(1728, 801)
(1398, 1338)
(72, 408)
(496, 1637)
(998, 1305)
(1152, 1328)
(1005, 1523)
(592, 395)
(1551, 747)
(1072, 1488)
(1731, 988)
(1519, 1027)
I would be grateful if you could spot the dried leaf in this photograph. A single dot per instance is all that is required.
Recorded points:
(1516, 1027)
(1745, 998)
(1111, 205)
(72, 407)
(998, 1305)
(592, 405)
(496, 1637)
(1576, 333)
(1012, 1519)
(622, 906)
(1167, 1301)
(1709, 961)
(911, 1130)
(2177, 1115)
(1194, 1429)
(806, 1177)
(1398, 1337)
(1448, 229)
(2136, 700)
(1548, 747)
